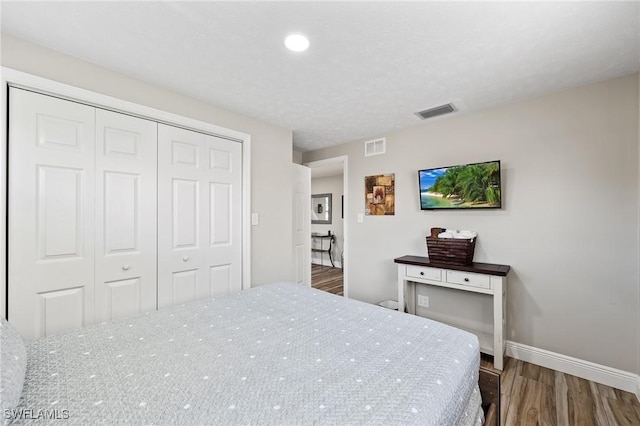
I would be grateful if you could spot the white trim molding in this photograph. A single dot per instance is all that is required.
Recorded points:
(613, 377)
(3, 194)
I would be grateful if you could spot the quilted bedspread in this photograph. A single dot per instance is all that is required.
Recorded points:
(275, 354)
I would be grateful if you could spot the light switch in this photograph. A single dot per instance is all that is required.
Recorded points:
(255, 219)
(360, 217)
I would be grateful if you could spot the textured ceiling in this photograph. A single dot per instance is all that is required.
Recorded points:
(370, 66)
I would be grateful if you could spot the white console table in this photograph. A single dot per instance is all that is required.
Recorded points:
(484, 278)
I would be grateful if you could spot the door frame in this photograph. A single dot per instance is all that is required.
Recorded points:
(22, 80)
(344, 160)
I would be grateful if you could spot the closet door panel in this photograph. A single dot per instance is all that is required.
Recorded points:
(199, 200)
(59, 211)
(184, 286)
(220, 282)
(51, 214)
(180, 223)
(224, 181)
(184, 209)
(126, 208)
(61, 310)
(121, 212)
(220, 195)
(123, 298)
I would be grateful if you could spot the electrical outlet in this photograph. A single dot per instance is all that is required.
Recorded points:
(423, 301)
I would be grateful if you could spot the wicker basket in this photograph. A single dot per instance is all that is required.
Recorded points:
(457, 251)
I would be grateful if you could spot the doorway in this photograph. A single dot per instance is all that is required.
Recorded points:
(328, 229)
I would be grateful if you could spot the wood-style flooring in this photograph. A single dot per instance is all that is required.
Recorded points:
(327, 278)
(534, 395)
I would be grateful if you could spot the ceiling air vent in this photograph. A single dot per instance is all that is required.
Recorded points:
(375, 147)
(434, 112)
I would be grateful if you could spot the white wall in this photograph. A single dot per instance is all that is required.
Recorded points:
(271, 145)
(568, 227)
(330, 185)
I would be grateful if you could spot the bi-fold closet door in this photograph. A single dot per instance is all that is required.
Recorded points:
(85, 194)
(51, 214)
(82, 214)
(126, 215)
(199, 220)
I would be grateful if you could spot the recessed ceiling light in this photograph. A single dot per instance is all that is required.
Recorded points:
(296, 42)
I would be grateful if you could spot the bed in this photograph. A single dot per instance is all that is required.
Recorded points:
(276, 354)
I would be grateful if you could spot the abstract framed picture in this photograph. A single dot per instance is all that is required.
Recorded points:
(380, 195)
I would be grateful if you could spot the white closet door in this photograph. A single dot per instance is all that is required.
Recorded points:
(51, 214)
(126, 210)
(199, 216)
(224, 215)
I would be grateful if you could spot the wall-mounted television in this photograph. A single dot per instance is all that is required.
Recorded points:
(466, 186)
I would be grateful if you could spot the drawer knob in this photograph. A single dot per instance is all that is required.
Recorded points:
(466, 280)
(125, 267)
(185, 259)
(421, 273)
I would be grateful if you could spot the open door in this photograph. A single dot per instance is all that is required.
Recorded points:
(302, 224)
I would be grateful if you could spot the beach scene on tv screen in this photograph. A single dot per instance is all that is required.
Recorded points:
(459, 187)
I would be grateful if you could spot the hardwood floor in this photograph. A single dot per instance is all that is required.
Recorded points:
(534, 395)
(327, 278)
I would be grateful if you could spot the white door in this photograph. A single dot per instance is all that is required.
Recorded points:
(302, 224)
(51, 214)
(199, 216)
(126, 210)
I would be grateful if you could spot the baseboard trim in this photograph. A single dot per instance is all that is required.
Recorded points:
(613, 377)
(327, 262)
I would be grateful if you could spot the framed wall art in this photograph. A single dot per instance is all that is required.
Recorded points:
(380, 195)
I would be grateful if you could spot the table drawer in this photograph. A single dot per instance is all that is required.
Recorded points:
(469, 278)
(425, 273)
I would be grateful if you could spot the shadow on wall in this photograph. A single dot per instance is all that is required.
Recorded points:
(517, 297)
